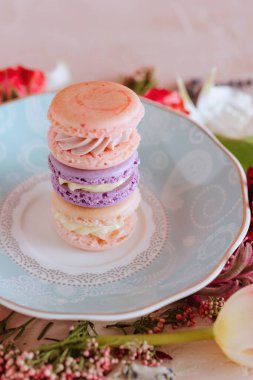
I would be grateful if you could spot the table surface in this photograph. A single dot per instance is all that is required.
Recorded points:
(101, 40)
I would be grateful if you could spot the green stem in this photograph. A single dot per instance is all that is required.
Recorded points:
(9, 316)
(17, 331)
(153, 339)
(45, 330)
(159, 339)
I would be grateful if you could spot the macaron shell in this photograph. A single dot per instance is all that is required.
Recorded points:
(94, 177)
(97, 216)
(95, 109)
(104, 160)
(88, 199)
(93, 243)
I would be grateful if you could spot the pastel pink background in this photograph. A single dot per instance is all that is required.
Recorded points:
(102, 39)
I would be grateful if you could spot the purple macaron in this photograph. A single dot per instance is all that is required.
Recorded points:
(117, 182)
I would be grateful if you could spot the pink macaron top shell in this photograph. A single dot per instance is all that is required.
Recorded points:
(95, 109)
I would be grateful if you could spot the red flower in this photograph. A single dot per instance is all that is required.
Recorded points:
(17, 82)
(166, 97)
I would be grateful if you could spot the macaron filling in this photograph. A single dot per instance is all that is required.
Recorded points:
(93, 161)
(86, 198)
(80, 146)
(98, 231)
(95, 229)
(72, 186)
(95, 188)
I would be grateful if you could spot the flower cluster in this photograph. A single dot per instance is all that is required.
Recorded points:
(17, 82)
(193, 86)
(143, 82)
(211, 307)
(180, 316)
(159, 326)
(79, 356)
(141, 352)
(91, 363)
(149, 324)
(168, 98)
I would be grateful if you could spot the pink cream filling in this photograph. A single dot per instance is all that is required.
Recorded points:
(80, 146)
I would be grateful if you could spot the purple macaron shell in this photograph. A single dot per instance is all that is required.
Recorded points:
(89, 199)
(94, 177)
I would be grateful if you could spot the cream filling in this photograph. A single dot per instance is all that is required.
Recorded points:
(99, 231)
(92, 188)
(82, 145)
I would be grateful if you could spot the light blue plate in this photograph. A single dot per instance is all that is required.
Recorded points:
(196, 202)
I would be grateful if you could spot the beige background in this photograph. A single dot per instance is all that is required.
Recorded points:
(101, 39)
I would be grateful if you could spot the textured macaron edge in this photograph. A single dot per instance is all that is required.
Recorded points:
(93, 243)
(96, 216)
(104, 160)
(84, 198)
(94, 177)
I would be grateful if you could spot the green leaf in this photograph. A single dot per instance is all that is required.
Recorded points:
(140, 81)
(45, 330)
(242, 149)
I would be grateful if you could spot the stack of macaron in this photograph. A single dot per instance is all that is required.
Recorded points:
(93, 141)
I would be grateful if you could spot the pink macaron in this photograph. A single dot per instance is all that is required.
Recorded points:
(93, 125)
(95, 229)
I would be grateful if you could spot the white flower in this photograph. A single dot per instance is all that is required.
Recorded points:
(224, 110)
(233, 329)
(58, 77)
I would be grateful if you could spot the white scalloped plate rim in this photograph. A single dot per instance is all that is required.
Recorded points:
(176, 296)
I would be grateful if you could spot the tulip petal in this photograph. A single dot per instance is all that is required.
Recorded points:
(233, 329)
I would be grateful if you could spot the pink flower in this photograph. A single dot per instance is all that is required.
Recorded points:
(166, 97)
(17, 82)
